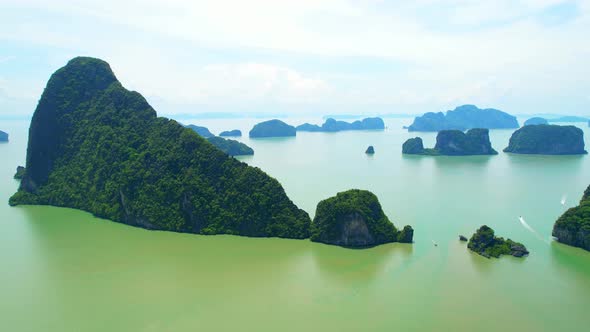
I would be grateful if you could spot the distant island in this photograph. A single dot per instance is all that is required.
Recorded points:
(453, 143)
(3, 136)
(463, 118)
(547, 139)
(145, 171)
(229, 146)
(569, 118)
(573, 227)
(354, 218)
(202, 131)
(536, 121)
(231, 133)
(272, 128)
(332, 125)
(486, 244)
(370, 150)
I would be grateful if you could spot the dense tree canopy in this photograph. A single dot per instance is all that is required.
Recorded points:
(355, 218)
(95, 146)
(573, 227)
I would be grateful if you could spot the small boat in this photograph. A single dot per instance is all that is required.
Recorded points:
(435, 244)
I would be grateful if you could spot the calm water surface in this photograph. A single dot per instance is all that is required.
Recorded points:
(64, 270)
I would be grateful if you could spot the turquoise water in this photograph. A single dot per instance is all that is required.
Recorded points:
(64, 270)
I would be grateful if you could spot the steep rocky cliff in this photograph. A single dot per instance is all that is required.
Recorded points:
(95, 146)
(354, 218)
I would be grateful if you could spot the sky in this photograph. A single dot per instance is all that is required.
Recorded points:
(308, 56)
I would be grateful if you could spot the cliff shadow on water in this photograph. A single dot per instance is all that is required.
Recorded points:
(358, 265)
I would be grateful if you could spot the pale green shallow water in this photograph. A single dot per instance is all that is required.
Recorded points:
(63, 270)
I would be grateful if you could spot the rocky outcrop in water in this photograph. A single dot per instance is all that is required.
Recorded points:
(463, 118)
(370, 150)
(573, 227)
(485, 243)
(413, 146)
(3, 136)
(547, 139)
(354, 218)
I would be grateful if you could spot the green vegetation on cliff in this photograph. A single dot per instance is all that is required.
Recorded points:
(95, 146)
(573, 227)
(486, 244)
(547, 139)
(354, 218)
(202, 131)
(230, 146)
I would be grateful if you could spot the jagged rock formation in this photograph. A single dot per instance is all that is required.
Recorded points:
(486, 244)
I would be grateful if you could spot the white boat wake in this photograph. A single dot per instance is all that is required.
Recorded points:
(532, 230)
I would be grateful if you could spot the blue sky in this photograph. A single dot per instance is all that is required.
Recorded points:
(308, 56)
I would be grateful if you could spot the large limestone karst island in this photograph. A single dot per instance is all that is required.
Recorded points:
(463, 118)
(485, 243)
(332, 125)
(95, 146)
(354, 218)
(573, 227)
(547, 139)
(272, 128)
(453, 143)
(3, 136)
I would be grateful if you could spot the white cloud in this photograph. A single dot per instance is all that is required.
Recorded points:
(454, 50)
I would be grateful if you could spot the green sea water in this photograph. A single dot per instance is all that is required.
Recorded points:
(64, 270)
